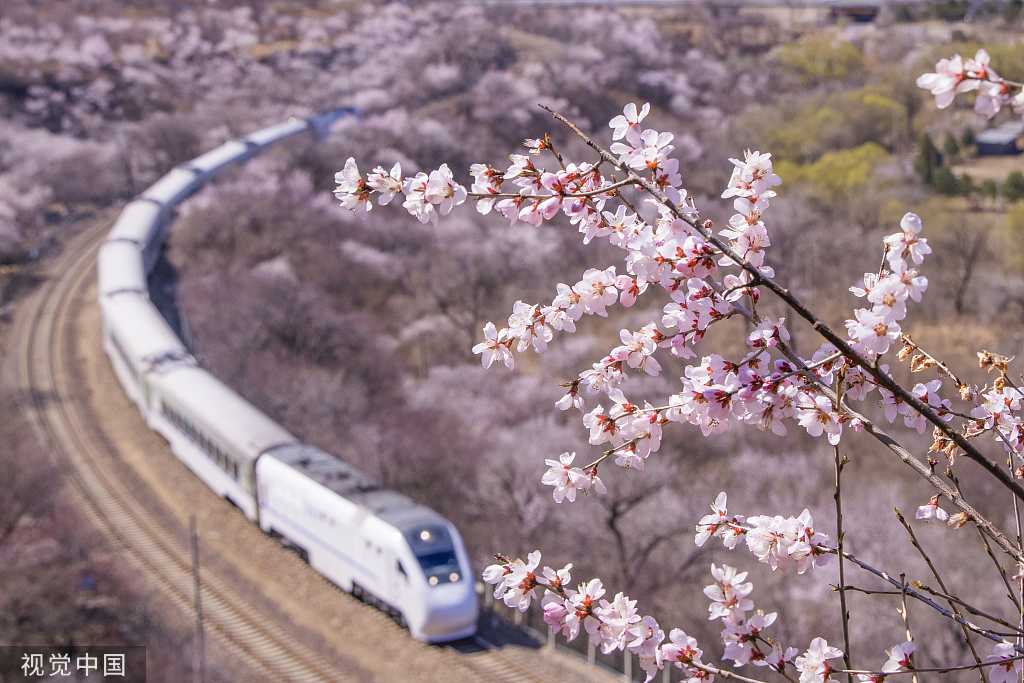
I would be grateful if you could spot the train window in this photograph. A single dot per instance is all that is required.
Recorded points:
(400, 568)
(234, 469)
(427, 538)
(440, 567)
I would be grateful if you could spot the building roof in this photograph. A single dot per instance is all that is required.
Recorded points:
(1002, 135)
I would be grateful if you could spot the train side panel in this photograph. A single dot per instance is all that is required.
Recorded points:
(214, 431)
(138, 340)
(332, 531)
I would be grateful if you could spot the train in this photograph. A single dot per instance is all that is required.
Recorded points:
(371, 541)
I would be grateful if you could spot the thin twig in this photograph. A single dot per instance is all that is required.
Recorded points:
(906, 615)
(840, 464)
(940, 670)
(967, 606)
(942, 585)
(984, 632)
(906, 339)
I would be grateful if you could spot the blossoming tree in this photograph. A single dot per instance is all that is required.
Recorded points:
(711, 276)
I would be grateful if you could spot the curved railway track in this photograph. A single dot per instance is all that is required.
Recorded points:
(44, 345)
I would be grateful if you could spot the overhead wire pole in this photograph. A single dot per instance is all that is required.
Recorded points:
(198, 644)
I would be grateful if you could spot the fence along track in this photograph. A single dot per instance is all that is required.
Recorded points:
(43, 350)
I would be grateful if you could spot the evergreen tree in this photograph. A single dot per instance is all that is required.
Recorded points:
(928, 159)
(950, 148)
(1013, 188)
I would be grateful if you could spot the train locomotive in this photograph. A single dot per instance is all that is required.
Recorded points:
(371, 541)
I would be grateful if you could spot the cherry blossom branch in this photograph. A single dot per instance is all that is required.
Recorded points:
(909, 343)
(783, 293)
(942, 585)
(725, 673)
(518, 195)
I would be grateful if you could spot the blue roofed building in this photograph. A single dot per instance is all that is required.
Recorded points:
(1000, 141)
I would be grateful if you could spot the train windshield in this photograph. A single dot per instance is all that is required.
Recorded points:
(435, 551)
(440, 567)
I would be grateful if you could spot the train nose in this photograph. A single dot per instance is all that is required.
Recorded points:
(451, 617)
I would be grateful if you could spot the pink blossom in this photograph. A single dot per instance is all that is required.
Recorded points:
(494, 347)
(1007, 672)
(931, 510)
(563, 477)
(949, 79)
(629, 119)
(899, 657)
(729, 594)
(387, 183)
(813, 664)
(353, 192)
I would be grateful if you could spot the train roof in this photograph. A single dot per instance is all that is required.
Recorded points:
(142, 332)
(119, 268)
(137, 223)
(273, 134)
(390, 506)
(224, 413)
(231, 152)
(176, 186)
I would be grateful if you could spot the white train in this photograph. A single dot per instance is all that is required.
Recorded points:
(376, 543)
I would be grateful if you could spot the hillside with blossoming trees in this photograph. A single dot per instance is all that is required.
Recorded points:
(356, 330)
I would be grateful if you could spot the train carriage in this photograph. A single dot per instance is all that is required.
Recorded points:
(120, 270)
(217, 159)
(140, 343)
(140, 223)
(214, 431)
(369, 540)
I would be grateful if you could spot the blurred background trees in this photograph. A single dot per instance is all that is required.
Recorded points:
(356, 336)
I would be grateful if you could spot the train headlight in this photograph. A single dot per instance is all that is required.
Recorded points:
(426, 536)
(432, 580)
(454, 576)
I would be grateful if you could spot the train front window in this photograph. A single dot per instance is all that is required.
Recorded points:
(440, 567)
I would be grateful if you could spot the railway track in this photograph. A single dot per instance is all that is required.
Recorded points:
(44, 347)
(490, 664)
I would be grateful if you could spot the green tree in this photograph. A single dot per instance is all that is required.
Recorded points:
(950, 148)
(1012, 10)
(928, 159)
(821, 59)
(1013, 188)
(968, 138)
(944, 181)
(951, 10)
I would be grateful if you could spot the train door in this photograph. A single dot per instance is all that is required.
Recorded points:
(398, 581)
